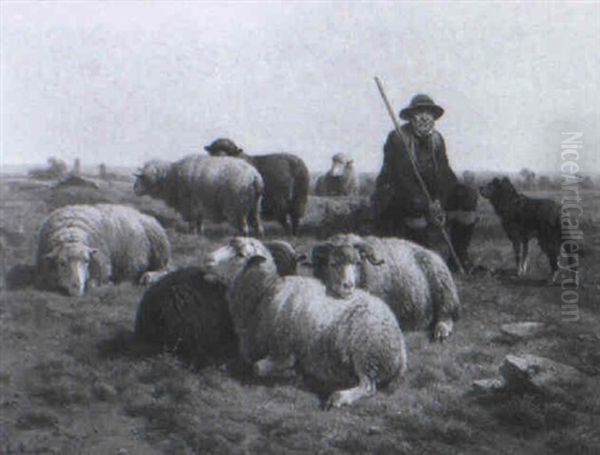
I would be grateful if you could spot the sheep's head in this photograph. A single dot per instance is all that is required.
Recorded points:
(341, 165)
(223, 147)
(71, 264)
(338, 264)
(225, 263)
(149, 180)
(285, 256)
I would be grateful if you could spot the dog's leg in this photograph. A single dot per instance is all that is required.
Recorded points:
(525, 261)
(517, 250)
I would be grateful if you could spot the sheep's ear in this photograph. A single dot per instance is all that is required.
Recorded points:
(368, 253)
(301, 257)
(320, 253)
(256, 260)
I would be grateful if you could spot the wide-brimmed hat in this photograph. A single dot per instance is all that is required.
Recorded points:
(225, 145)
(421, 101)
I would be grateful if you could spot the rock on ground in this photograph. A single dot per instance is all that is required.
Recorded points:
(530, 372)
(521, 329)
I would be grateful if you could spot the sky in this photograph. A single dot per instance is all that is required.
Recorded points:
(125, 82)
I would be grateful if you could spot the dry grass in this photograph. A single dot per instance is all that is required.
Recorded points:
(72, 380)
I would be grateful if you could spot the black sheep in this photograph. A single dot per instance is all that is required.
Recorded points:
(186, 314)
(286, 182)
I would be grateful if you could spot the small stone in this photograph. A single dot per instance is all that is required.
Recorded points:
(530, 372)
(521, 329)
(489, 385)
(373, 430)
(104, 392)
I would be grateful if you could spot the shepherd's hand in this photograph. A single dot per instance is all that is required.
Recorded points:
(436, 213)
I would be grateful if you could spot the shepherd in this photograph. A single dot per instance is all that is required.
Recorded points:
(402, 207)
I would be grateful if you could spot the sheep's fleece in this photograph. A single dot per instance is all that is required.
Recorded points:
(80, 246)
(291, 320)
(203, 187)
(414, 281)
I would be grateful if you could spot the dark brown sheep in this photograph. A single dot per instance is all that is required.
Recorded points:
(286, 182)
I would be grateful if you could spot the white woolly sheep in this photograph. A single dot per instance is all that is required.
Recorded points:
(282, 322)
(414, 281)
(81, 246)
(340, 180)
(187, 314)
(203, 187)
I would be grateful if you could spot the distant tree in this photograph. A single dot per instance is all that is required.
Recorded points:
(56, 169)
(102, 171)
(544, 182)
(76, 168)
(527, 178)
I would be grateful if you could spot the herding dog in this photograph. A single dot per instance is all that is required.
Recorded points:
(524, 218)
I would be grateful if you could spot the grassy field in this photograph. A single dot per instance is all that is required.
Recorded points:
(72, 381)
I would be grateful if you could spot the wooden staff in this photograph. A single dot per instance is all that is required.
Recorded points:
(418, 175)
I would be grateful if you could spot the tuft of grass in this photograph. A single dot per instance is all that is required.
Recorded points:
(37, 420)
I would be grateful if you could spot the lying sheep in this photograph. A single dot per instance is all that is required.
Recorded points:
(286, 182)
(201, 187)
(340, 180)
(187, 314)
(81, 246)
(414, 281)
(282, 322)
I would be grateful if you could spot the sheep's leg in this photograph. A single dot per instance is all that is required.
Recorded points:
(442, 330)
(243, 226)
(199, 225)
(256, 224)
(517, 250)
(283, 220)
(153, 276)
(271, 366)
(365, 388)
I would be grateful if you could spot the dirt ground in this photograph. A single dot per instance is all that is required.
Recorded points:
(71, 383)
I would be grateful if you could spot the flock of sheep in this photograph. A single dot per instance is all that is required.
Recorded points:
(342, 327)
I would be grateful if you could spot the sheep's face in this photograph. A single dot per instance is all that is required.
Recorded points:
(140, 187)
(342, 270)
(340, 166)
(226, 262)
(71, 262)
(148, 180)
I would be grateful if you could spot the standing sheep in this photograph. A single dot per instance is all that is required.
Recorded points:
(201, 187)
(286, 182)
(293, 320)
(81, 246)
(186, 312)
(414, 281)
(340, 180)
